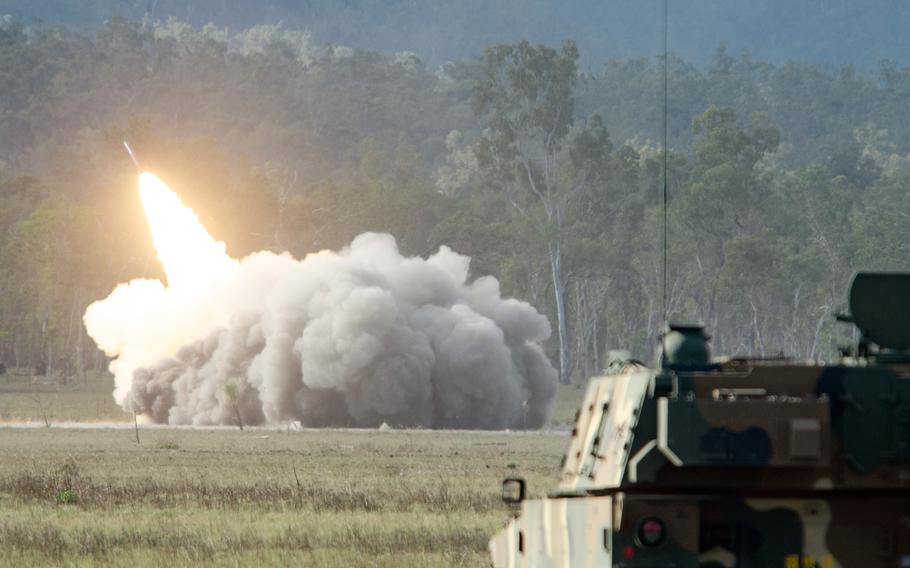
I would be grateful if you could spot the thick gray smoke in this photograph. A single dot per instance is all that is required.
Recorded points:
(354, 338)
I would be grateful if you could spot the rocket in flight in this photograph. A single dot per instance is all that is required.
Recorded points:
(129, 150)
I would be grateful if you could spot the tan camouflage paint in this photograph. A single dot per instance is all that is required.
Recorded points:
(557, 533)
(598, 454)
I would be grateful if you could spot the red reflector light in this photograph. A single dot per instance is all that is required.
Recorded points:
(628, 552)
(651, 532)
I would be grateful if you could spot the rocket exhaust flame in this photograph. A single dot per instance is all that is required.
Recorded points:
(189, 255)
(350, 338)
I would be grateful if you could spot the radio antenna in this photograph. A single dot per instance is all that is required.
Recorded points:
(666, 160)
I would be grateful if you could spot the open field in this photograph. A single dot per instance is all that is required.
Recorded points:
(339, 498)
(26, 398)
(330, 498)
(76, 497)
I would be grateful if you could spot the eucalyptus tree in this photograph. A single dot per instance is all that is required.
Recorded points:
(531, 150)
(728, 197)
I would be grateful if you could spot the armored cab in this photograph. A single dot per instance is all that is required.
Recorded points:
(736, 462)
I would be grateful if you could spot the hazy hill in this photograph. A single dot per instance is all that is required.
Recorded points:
(830, 31)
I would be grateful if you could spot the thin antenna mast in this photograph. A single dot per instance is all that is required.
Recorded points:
(666, 25)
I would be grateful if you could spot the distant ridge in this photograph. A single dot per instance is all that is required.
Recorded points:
(837, 32)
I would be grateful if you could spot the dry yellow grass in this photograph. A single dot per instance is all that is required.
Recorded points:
(24, 397)
(71, 497)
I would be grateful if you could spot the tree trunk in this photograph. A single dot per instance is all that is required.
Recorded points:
(582, 352)
(565, 349)
(239, 417)
(756, 329)
(596, 342)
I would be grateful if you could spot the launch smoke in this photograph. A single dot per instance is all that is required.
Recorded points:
(358, 337)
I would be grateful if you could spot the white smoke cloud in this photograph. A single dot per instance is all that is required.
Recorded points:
(354, 338)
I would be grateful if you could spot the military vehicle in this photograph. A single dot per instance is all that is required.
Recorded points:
(736, 462)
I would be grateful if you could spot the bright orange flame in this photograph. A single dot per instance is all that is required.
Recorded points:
(192, 259)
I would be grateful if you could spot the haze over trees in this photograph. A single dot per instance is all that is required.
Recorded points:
(836, 32)
(785, 176)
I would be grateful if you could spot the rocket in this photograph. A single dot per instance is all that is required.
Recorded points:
(132, 155)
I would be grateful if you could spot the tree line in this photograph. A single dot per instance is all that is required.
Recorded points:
(783, 179)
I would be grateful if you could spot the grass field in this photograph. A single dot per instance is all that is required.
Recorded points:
(81, 497)
(25, 398)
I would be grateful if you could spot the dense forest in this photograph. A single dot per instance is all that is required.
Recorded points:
(784, 177)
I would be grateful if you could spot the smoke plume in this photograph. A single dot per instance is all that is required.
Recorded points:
(350, 338)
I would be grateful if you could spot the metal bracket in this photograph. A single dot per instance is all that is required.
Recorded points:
(661, 443)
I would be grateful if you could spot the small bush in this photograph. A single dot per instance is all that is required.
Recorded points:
(66, 497)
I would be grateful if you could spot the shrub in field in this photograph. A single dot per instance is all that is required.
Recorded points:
(66, 497)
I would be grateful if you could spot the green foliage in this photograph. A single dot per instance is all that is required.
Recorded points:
(783, 178)
(881, 222)
(66, 497)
